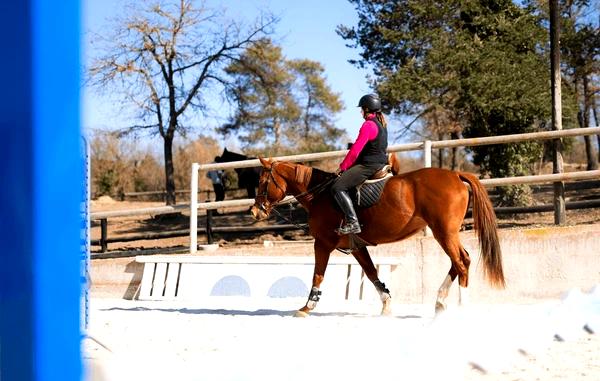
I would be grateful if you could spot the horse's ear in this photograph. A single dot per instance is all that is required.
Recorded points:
(265, 163)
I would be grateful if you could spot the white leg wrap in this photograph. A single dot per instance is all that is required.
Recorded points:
(444, 290)
(463, 296)
(384, 296)
(440, 303)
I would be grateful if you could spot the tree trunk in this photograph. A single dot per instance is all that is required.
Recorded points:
(169, 170)
(560, 215)
(595, 110)
(276, 130)
(306, 117)
(453, 164)
(441, 152)
(584, 121)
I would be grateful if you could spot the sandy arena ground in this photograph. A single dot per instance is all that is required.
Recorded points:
(237, 338)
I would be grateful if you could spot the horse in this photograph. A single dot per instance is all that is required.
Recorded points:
(247, 177)
(411, 201)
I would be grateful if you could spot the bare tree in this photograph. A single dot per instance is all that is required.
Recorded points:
(165, 58)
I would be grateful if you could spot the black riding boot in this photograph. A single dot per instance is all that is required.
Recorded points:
(351, 225)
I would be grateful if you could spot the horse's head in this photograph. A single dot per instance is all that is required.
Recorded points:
(271, 189)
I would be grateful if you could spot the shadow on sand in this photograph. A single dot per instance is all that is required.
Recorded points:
(260, 312)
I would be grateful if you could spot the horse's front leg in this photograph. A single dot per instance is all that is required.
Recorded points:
(322, 253)
(365, 261)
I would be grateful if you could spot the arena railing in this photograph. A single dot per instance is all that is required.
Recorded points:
(425, 146)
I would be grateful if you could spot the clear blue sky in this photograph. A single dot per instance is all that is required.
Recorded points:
(306, 30)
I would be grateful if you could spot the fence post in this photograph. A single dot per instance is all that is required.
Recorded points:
(194, 209)
(427, 154)
(427, 164)
(103, 235)
(209, 236)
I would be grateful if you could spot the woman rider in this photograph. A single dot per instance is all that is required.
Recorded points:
(366, 156)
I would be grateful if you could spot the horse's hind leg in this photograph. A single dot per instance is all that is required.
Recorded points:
(322, 253)
(460, 267)
(440, 303)
(365, 261)
(462, 290)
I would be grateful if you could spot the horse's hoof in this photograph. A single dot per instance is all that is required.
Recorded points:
(386, 310)
(439, 308)
(301, 314)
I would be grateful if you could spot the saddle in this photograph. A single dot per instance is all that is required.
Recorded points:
(369, 192)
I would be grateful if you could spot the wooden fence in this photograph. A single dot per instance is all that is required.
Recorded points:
(426, 147)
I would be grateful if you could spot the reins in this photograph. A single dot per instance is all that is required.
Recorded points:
(303, 227)
(312, 191)
(309, 192)
(315, 190)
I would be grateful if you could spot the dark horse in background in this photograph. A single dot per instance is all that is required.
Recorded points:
(247, 177)
(432, 197)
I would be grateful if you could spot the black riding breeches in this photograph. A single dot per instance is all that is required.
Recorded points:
(354, 176)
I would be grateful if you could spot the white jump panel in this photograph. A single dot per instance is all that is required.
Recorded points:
(183, 276)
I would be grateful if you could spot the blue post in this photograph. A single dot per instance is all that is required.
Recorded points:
(41, 172)
(85, 236)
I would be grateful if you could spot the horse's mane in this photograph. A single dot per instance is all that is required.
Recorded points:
(310, 177)
(317, 178)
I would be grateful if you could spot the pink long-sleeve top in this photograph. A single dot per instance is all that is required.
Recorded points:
(368, 131)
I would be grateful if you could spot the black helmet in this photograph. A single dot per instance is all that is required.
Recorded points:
(370, 102)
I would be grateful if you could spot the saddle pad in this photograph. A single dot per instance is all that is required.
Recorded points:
(368, 193)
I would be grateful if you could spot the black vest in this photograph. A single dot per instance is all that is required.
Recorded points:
(375, 150)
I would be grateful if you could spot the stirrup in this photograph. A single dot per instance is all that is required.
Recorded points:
(349, 228)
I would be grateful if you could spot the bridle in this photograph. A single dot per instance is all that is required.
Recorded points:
(266, 206)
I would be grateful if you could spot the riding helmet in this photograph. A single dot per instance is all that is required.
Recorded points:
(370, 102)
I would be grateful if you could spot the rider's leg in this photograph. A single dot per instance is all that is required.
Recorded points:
(351, 224)
(348, 180)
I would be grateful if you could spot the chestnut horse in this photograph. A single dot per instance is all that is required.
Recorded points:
(432, 197)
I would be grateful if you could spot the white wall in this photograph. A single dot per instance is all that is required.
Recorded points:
(538, 263)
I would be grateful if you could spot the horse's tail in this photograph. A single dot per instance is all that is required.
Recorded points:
(485, 224)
